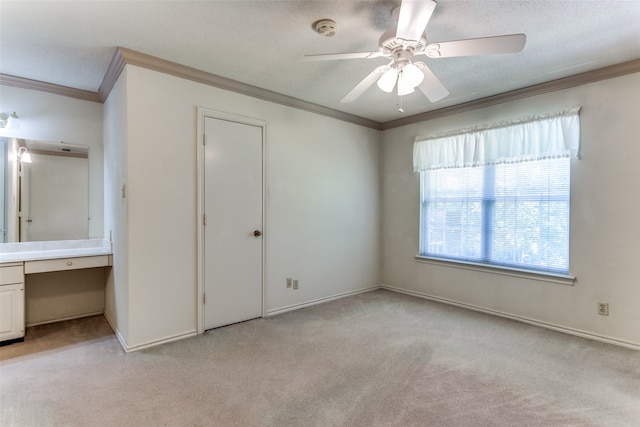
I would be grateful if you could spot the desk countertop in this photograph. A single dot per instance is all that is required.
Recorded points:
(31, 251)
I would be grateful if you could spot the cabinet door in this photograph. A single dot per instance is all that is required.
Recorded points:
(11, 311)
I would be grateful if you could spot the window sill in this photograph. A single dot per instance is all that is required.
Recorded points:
(504, 271)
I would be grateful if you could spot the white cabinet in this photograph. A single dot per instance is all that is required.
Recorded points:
(12, 321)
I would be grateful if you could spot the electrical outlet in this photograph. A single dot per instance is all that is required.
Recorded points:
(295, 284)
(603, 308)
(289, 282)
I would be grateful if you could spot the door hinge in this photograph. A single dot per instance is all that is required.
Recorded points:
(204, 219)
(204, 139)
(204, 298)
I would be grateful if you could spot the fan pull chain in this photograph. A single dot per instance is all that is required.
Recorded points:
(399, 104)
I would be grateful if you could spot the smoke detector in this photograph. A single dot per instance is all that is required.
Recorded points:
(325, 27)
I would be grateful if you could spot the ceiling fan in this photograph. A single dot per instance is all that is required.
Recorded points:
(403, 43)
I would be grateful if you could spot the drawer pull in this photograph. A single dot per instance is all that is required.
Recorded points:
(69, 263)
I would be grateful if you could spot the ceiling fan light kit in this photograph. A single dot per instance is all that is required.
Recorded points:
(388, 80)
(404, 87)
(401, 44)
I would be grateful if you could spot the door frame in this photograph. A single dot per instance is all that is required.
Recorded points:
(202, 114)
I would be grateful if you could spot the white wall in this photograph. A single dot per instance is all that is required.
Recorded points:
(605, 230)
(116, 302)
(322, 214)
(48, 117)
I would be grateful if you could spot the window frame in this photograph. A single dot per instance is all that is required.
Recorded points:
(484, 264)
(562, 279)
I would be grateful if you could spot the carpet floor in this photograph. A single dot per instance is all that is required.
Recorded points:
(373, 359)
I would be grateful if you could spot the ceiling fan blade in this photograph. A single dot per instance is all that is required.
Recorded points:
(364, 84)
(431, 86)
(413, 18)
(351, 55)
(481, 46)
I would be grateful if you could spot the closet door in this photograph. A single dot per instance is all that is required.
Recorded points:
(233, 242)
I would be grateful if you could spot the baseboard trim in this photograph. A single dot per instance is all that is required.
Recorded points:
(62, 319)
(116, 332)
(130, 349)
(149, 344)
(121, 340)
(319, 301)
(110, 322)
(551, 326)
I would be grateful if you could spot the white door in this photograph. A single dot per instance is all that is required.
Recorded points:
(233, 229)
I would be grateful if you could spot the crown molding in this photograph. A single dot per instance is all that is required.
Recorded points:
(111, 76)
(124, 56)
(23, 83)
(143, 60)
(612, 71)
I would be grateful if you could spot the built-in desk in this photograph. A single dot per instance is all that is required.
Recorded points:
(32, 251)
(20, 259)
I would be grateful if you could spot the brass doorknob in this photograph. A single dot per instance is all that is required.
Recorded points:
(257, 233)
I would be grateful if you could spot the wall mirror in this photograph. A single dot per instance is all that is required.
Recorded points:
(48, 198)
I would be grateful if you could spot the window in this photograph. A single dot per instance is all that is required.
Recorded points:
(486, 199)
(510, 214)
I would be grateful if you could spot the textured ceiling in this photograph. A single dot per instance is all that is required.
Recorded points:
(261, 43)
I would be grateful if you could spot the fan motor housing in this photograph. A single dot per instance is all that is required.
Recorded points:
(388, 41)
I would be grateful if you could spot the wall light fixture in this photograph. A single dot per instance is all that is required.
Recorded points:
(23, 155)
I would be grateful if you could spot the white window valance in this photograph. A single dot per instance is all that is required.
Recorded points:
(532, 138)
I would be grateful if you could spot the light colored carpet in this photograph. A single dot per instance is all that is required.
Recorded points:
(374, 359)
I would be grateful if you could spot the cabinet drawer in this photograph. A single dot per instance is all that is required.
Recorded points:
(10, 275)
(61, 264)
